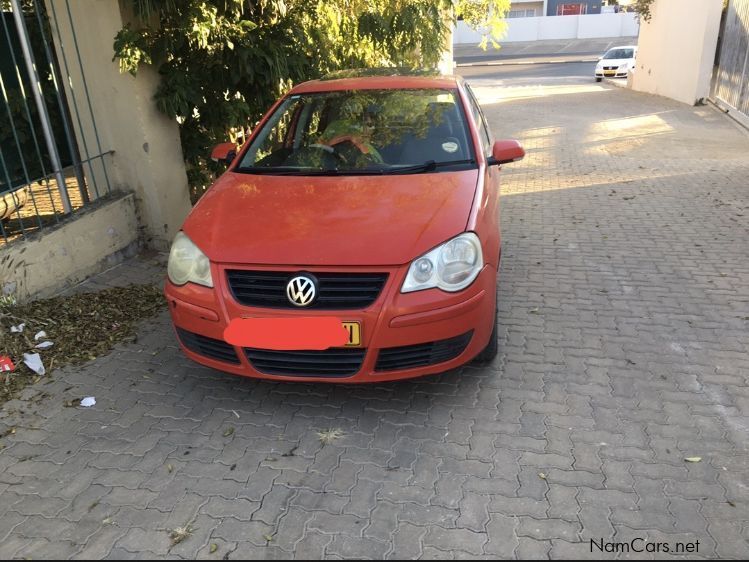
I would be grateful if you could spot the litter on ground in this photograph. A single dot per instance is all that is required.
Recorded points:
(34, 362)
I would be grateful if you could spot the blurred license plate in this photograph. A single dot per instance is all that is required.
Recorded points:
(609, 72)
(354, 333)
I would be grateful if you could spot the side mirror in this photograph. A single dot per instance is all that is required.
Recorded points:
(506, 151)
(224, 152)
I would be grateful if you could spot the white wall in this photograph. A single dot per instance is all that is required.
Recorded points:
(677, 49)
(630, 26)
(557, 27)
(522, 29)
(607, 25)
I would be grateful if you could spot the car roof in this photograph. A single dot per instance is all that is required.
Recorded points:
(622, 47)
(379, 79)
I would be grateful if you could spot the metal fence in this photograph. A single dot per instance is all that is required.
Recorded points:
(732, 79)
(52, 162)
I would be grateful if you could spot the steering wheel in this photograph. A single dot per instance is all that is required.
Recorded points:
(330, 150)
(361, 146)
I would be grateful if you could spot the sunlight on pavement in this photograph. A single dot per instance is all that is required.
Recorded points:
(492, 95)
(542, 171)
(519, 182)
(540, 132)
(634, 126)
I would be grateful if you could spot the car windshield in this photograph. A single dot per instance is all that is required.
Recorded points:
(361, 132)
(620, 54)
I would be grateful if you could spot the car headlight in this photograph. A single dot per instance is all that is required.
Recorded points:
(187, 263)
(452, 266)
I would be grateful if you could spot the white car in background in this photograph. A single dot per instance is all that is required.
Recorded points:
(616, 63)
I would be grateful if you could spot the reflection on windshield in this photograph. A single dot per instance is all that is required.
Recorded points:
(620, 54)
(361, 131)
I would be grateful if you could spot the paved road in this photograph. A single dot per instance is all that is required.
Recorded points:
(624, 323)
(558, 49)
(529, 73)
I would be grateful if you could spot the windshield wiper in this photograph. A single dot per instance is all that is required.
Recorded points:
(275, 170)
(428, 166)
(292, 171)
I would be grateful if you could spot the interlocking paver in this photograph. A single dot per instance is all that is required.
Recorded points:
(455, 539)
(546, 529)
(623, 349)
(357, 548)
(100, 544)
(425, 515)
(383, 521)
(137, 540)
(234, 530)
(531, 549)
(474, 513)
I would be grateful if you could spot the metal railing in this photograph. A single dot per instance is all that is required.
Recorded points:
(49, 166)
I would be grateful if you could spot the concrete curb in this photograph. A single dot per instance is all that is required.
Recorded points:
(618, 82)
(517, 63)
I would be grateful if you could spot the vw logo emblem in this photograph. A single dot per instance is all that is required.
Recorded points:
(301, 290)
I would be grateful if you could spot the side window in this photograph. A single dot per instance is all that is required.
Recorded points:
(478, 118)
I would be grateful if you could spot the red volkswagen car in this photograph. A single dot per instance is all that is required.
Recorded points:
(354, 237)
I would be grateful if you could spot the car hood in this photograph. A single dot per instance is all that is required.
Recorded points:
(336, 220)
(613, 62)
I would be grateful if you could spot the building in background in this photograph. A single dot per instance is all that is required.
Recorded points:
(573, 8)
(527, 8)
(537, 8)
(526, 22)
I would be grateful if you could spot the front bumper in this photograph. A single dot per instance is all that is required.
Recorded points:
(611, 74)
(394, 320)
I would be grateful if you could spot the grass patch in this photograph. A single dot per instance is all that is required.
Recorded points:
(180, 533)
(327, 436)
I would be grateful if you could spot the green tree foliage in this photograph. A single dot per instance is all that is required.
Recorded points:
(486, 15)
(222, 63)
(642, 7)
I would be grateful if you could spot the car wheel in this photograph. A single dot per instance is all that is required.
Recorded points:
(598, 79)
(492, 348)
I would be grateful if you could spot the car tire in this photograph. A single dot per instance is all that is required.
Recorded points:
(598, 79)
(492, 348)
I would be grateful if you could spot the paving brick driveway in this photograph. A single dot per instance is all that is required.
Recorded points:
(624, 312)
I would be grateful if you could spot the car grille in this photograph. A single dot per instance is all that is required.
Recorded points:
(267, 289)
(423, 354)
(334, 362)
(213, 349)
(610, 67)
